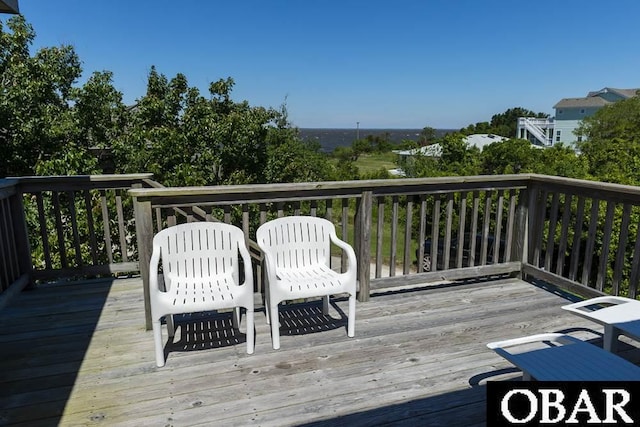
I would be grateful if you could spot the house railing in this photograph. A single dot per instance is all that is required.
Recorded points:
(584, 235)
(79, 225)
(580, 235)
(15, 262)
(387, 222)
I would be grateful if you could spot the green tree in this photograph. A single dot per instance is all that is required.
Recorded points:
(612, 146)
(559, 160)
(503, 124)
(36, 118)
(427, 136)
(507, 157)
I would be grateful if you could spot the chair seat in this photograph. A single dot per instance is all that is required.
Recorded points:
(206, 292)
(309, 280)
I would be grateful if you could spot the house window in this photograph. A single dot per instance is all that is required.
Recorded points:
(557, 139)
(579, 139)
(558, 133)
(582, 111)
(559, 111)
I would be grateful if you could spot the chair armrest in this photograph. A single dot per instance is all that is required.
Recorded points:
(153, 270)
(351, 255)
(598, 300)
(248, 269)
(551, 337)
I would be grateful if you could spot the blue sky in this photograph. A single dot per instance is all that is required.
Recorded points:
(400, 64)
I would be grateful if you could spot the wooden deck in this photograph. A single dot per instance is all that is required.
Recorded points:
(78, 354)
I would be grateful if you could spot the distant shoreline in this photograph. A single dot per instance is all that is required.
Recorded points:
(330, 138)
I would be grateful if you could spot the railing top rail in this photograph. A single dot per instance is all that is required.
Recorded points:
(377, 186)
(70, 182)
(7, 188)
(595, 189)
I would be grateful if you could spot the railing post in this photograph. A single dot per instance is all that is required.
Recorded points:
(363, 243)
(519, 249)
(144, 233)
(23, 248)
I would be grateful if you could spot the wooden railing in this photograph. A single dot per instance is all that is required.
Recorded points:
(581, 235)
(15, 263)
(80, 225)
(444, 211)
(584, 235)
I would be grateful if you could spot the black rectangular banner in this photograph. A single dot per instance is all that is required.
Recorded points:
(579, 403)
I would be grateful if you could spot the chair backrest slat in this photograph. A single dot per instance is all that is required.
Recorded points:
(297, 241)
(201, 249)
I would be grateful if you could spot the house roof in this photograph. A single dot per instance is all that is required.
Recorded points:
(481, 140)
(433, 150)
(9, 6)
(625, 93)
(593, 99)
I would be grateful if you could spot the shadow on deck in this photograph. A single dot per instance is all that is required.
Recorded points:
(78, 354)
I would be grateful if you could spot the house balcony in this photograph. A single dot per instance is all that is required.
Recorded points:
(74, 271)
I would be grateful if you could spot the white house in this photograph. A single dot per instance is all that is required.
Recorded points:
(569, 113)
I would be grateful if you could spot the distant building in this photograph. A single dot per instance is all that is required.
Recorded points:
(569, 114)
(435, 150)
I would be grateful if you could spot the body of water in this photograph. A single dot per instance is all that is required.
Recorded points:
(329, 138)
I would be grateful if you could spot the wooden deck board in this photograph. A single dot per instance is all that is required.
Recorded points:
(78, 354)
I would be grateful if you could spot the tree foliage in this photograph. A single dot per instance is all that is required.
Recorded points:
(48, 125)
(503, 124)
(612, 146)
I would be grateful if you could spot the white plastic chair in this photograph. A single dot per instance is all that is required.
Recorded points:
(200, 265)
(618, 315)
(297, 255)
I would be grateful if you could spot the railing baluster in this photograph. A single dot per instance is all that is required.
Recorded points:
(7, 263)
(497, 235)
(379, 236)
(562, 244)
(486, 225)
(59, 230)
(345, 234)
(74, 227)
(105, 225)
(461, 229)
(591, 241)
(93, 242)
(394, 236)
(43, 231)
(406, 262)
(618, 267)
(473, 232)
(577, 239)
(447, 231)
(510, 225)
(422, 231)
(551, 236)
(435, 233)
(635, 267)
(606, 241)
(121, 229)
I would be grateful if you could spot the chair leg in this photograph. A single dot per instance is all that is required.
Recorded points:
(250, 332)
(236, 318)
(351, 321)
(611, 334)
(275, 326)
(171, 327)
(267, 305)
(157, 341)
(325, 305)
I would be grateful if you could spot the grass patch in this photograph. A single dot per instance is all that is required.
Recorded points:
(368, 163)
